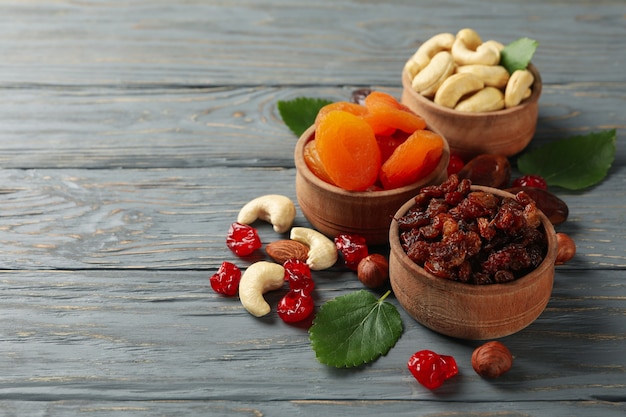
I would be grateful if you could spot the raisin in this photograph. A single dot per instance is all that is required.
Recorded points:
(483, 239)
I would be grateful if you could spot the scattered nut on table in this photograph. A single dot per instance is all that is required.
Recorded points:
(259, 278)
(373, 270)
(322, 251)
(566, 248)
(276, 209)
(492, 359)
(285, 249)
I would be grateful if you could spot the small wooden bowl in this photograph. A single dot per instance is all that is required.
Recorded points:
(503, 132)
(332, 210)
(469, 311)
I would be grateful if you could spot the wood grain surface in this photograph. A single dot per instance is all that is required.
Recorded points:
(131, 133)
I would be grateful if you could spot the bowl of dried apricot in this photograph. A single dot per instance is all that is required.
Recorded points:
(462, 87)
(472, 262)
(359, 163)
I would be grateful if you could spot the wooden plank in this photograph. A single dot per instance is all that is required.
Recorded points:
(348, 408)
(180, 127)
(138, 336)
(178, 218)
(238, 42)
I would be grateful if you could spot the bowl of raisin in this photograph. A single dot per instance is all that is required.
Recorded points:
(360, 162)
(472, 262)
(466, 92)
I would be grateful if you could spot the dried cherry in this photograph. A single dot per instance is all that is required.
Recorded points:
(432, 369)
(298, 275)
(226, 280)
(295, 306)
(352, 247)
(242, 239)
(530, 181)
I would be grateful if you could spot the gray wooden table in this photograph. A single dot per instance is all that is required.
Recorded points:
(132, 132)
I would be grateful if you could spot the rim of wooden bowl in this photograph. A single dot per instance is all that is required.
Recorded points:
(534, 98)
(304, 170)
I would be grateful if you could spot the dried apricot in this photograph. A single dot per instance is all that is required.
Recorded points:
(347, 106)
(312, 159)
(385, 114)
(347, 147)
(412, 160)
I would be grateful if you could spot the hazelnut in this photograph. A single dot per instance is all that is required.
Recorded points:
(373, 270)
(492, 359)
(566, 248)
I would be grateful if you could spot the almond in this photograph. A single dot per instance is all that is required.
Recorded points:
(285, 249)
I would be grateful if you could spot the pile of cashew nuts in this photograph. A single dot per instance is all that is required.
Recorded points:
(264, 276)
(462, 72)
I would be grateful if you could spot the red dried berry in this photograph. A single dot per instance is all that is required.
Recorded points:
(242, 239)
(530, 181)
(353, 248)
(295, 306)
(298, 275)
(226, 280)
(455, 164)
(431, 369)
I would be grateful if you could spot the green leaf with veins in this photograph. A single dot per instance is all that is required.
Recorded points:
(300, 113)
(573, 163)
(355, 329)
(517, 54)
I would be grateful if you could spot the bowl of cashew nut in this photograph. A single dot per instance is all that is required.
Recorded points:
(456, 82)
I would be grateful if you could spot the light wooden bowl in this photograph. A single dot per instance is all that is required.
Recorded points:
(470, 311)
(503, 132)
(332, 210)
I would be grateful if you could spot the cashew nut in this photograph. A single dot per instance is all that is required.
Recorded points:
(487, 99)
(469, 37)
(455, 87)
(322, 251)
(491, 75)
(276, 209)
(428, 80)
(259, 278)
(484, 54)
(423, 55)
(494, 44)
(520, 82)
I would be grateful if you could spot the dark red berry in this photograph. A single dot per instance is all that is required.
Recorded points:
(296, 267)
(298, 274)
(431, 369)
(455, 164)
(353, 248)
(226, 280)
(530, 181)
(295, 306)
(242, 239)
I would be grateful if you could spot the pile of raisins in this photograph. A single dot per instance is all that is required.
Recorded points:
(473, 236)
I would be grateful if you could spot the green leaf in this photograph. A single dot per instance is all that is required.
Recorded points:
(517, 54)
(355, 329)
(573, 163)
(300, 113)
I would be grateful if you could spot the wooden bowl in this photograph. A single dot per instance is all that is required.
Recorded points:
(470, 311)
(503, 132)
(332, 210)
